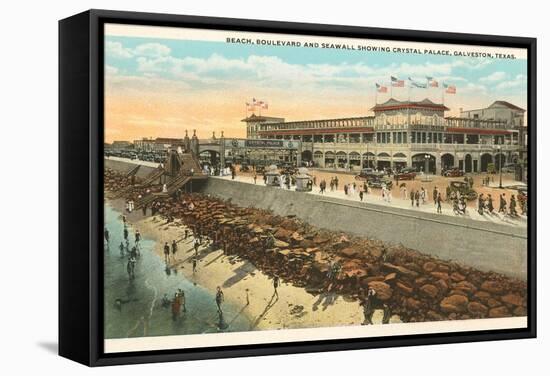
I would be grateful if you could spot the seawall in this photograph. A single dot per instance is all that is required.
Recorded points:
(483, 245)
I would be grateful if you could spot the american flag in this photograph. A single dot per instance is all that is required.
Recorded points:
(449, 89)
(396, 82)
(381, 88)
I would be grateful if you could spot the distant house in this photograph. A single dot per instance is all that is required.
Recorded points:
(498, 111)
(122, 145)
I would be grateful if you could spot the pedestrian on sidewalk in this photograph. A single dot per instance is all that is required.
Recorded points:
(412, 195)
(438, 202)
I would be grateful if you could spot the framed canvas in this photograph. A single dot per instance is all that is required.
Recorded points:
(235, 187)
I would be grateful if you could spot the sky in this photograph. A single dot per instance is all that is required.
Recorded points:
(161, 86)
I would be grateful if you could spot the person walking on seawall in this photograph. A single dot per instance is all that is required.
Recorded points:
(255, 177)
(502, 204)
(438, 202)
(480, 204)
(513, 211)
(489, 204)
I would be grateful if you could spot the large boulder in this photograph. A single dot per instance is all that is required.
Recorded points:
(454, 303)
(429, 291)
(477, 309)
(513, 299)
(383, 290)
(494, 287)
(501, 311)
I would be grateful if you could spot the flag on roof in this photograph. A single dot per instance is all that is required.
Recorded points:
(449, 89)
(396, 82)
(381, 88)
(413, 83)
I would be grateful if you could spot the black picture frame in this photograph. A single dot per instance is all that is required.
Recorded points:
(81, 185)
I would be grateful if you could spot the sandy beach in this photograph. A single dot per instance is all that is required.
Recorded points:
(293, 308)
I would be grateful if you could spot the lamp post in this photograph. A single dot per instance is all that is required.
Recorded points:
(499, 166)
(426, 167)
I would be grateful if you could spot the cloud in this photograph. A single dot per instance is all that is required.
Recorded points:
(494, 77)
(151, 50)
(110, 70)
(117, 50)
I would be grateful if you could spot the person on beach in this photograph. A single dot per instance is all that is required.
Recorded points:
(166, 252)
(176, 307)
(133, 252)
(165, 302)
(196, 247)
(106, 235)
(387, 314)
(219, 298)
(275, 285)
(130, 267)
(247, 297)
(174, 249)
(181, 295)
(124, 220)
(137, 237)
(121, 248)
(194, 265)
(186, 233)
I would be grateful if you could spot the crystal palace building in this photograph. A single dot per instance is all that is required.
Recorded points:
(406, 133)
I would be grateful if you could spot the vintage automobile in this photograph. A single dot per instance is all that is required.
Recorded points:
(407, 173)
(367, 173)
(463, 188)
(379, 181)
(453, 172)
(245, 167)
(288, 169)
(509, 168)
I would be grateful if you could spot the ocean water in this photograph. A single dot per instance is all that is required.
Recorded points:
(139, 311)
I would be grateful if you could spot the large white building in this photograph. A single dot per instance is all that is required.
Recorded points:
(405, 133)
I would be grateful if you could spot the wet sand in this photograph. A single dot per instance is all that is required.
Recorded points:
(294, 307)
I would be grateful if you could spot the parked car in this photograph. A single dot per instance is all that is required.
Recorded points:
(408, 173)
(453, 172)
(367, 173)
(463, 188)
(509, 168)
(379, 181)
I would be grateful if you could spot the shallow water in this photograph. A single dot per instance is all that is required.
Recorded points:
(141, 312)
